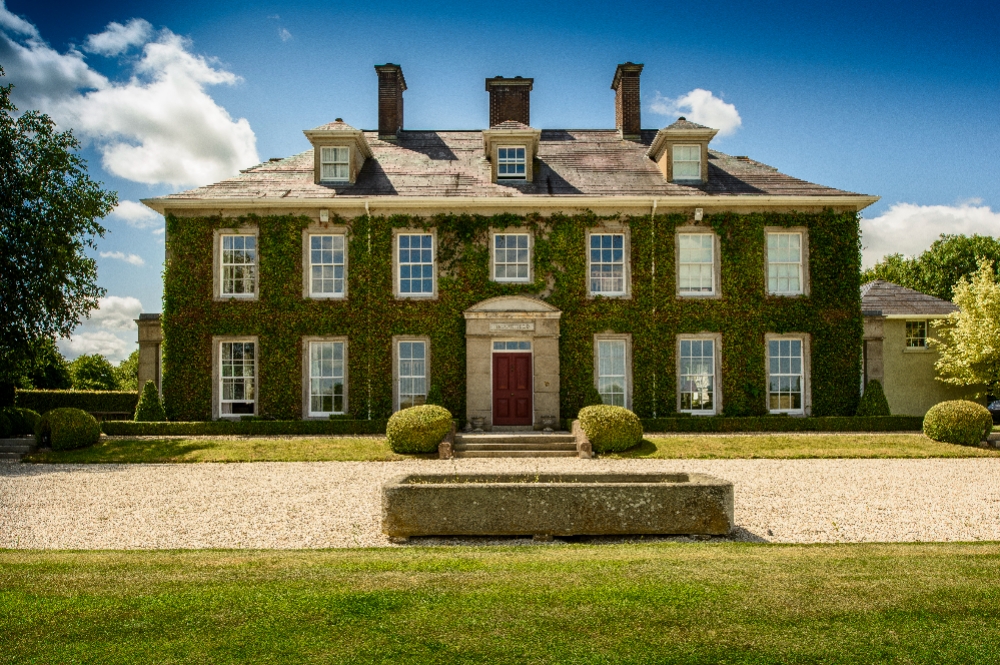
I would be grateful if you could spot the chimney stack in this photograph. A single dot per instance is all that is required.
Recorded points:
(391, 85)
(510, 99)
(628, 116)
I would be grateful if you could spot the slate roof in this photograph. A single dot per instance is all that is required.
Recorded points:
(684, 123)
(881, 298)
(452, 163)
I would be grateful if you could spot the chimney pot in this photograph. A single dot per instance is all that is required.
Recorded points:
(628, 113)
(510, 99)
(391, 85)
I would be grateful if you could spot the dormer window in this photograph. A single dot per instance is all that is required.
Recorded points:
(511, 163)
(687, 162)
(335, 163)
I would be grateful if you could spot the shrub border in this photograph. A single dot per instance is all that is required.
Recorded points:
(785, 424)
(242, 428)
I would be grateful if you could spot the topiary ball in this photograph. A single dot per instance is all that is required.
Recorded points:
(873, 402)
(150, 407)
(418, 429)
(610, 428)
(22, 421)
(958, 421)
(66, 429)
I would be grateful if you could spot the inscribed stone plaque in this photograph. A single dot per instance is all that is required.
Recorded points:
(502, 327)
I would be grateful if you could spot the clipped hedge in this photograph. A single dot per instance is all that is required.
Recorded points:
(243, 427)
(91, 401)
(22, 422)
(873, 401)
(784, 424)
(66, 429)
(610, 428)
(958, 421)
(418, 429)
(150, 408)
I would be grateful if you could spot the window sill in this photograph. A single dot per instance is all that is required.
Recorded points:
(917, 350)
(698, 414)
(593, 296)
(775, 294)
(416, 296)
(236, 296)
(511, 281)
(697, 296)
(327, 296)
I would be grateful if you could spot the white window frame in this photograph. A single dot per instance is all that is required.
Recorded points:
(220, 348)
(625, 260)
(797, 265)
(701, 264)
(715, 355)
(803, 373)
(399, 265)
(906, 332)
(600, 369)
(316, 344)
(505, 160)
(342, 237)
(250, 266)
(399, 376)
(675, 161)
(495, 262)
(335, 156)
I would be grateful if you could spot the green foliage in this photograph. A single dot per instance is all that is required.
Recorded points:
(434, 395)
(66, 429)
(49, 212)
(958, 421)
(42, 366)
(92, 401)
(93, 372)
(22, 421)
(873, 401)
(784, 424)
(127, 373)
(591, 396)
(418, 429)
(938, 269)
(653, 315)
(966, 340)
(6, 428)
(243, 427)
(150, 407)
(610, 428)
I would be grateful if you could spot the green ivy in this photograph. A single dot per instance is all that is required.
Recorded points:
(370, 315)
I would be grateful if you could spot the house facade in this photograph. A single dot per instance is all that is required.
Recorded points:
(896, 353)
(512, 274)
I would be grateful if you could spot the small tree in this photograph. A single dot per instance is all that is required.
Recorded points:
(93, 372)
(968, 340)
(873, 402)
(150, 407)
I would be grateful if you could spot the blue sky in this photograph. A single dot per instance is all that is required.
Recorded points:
(899, 100)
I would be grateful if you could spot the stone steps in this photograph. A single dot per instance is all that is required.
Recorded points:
(11, 450)
(515, 444)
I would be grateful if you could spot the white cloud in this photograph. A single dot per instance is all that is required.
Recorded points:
(115, 313)
(284, 34)
(702, 107)
(101, 341)
(159, 126)
(909, 229)
(134, 259)
(118, 38)
(138, 216)
(15, 23)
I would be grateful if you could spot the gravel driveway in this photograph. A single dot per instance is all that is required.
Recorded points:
(337, 504)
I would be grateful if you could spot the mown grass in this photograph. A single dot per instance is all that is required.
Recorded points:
(225, 449)
(630, 603)
(793, 446)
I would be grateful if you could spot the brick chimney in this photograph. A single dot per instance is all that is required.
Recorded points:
(628, 117)
(391, 85)
(510, 99)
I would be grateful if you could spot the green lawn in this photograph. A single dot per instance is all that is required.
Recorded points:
(227, 449)
(375, 449)
(640, 603)
(789, 446)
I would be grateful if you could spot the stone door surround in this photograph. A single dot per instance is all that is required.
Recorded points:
(508, 318)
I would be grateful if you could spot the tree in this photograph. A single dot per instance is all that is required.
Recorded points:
(150, 406)
(968, 340)
(46, 369)
(93, 372)
(127, 373)
(938, 269)
(49, 212)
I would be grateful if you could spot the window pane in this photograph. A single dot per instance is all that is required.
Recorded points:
(611, 374)
(416, 263)
(697, 375)
(785, 375)
(607, 265)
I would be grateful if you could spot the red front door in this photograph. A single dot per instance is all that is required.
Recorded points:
(512, 389)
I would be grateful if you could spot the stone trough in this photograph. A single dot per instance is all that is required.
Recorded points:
(546, 505)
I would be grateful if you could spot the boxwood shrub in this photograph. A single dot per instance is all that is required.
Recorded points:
(22, 421)
(958, 421)
(418, 429)
(150, 408)
(243, 427)
(66, 429)
(784, 424)
(610, 428)
(873, 402)
(91, 401)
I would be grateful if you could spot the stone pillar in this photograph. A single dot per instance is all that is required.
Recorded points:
(873, 337)
(150, 340)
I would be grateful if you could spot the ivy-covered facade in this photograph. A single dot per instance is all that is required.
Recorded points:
(708, 296)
